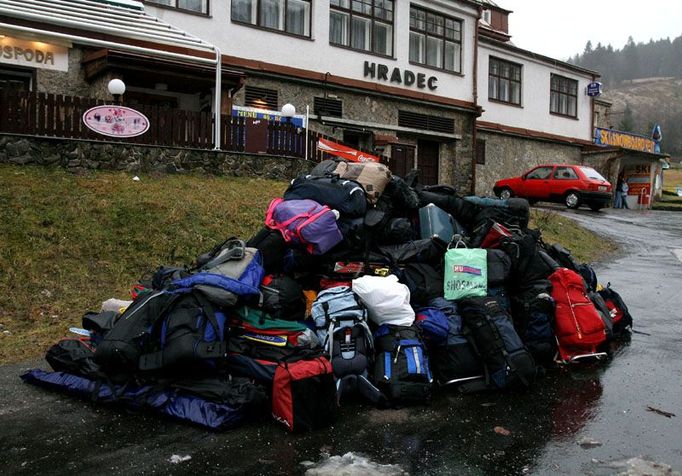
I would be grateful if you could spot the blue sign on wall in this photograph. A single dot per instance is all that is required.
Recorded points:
(594, 89)
(275, 116)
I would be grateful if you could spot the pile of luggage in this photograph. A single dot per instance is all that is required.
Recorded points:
(361, 285)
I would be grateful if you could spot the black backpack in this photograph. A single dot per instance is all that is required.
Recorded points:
(401, 368)
(454, 361)
(533, 312)
(507, 362)
(346, 196)
(283, 297)
(272, 248)
(620, 314)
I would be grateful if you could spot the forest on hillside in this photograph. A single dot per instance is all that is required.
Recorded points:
(661, 58)
(644, 83)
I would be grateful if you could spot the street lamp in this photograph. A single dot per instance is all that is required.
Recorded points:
(116, 89)
(288, 111)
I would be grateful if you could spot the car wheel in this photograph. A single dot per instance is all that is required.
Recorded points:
(595, 207)
(572, 200)
(505, 193)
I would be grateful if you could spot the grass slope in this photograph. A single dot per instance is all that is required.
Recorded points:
(69, 242)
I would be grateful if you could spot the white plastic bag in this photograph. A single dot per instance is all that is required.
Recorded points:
(387, 300)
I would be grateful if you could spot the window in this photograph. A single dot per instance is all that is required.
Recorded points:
(565, 173)
(590, 173)
(198, 6)
(288, 16)
(435, 40)
(260, 98)
(563, 96)
(15, 80)
(365, 25)
(540, 173)
(327, 107)
(504, 81)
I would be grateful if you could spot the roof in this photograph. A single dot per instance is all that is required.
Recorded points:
(117, 18)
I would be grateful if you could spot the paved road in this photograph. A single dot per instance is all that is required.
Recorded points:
(45, 433)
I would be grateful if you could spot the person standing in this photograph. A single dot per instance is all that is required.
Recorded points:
(621, 193)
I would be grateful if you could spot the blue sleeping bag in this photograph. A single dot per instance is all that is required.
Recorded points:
(216, 416)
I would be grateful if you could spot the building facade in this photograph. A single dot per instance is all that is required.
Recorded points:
(429, 84)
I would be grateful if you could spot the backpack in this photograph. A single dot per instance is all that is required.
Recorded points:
(507, 362)
(190, 335)
(453, 361)
(305, 223)
(346, 196)
(234, 272)
(401, 368)
(433, 324)
(436, 223)
(530, 262)
(620, 315)
(578, 326)
(341, 323)
(283, 297)
(499, 267)
(373, 176)
(533, 314)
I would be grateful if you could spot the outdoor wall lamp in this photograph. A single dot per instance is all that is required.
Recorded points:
(116, 89)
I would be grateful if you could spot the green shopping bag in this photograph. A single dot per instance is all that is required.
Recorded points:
(466, 272)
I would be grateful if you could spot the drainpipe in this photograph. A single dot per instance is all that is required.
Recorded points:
(218, 97)
(478, 108)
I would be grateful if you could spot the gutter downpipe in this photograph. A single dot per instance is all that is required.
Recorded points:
(218, 98)
(478, 108)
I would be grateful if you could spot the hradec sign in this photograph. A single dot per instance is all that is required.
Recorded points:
(381, 72)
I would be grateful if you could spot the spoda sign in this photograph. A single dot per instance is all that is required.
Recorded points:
(116, 121)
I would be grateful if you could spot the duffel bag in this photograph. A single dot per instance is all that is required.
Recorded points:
(373, 177)
(346, 196)
(304, 394)
(305, 223)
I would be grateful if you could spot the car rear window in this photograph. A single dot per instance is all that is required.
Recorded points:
(591, 173)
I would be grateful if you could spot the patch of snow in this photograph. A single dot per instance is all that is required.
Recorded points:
(351, 464)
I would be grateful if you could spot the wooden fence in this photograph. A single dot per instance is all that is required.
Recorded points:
(54, 115)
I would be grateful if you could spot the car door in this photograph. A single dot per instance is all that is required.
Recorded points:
(564, 178)
(536, 182)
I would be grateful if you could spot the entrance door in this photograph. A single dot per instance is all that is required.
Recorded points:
(402, 159)
(427, 161)
(256, 136)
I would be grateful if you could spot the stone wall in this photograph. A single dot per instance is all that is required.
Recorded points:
(509, 156)
(80, 156)
(72, 82)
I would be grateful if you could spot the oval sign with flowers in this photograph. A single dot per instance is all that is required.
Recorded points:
(116, 121)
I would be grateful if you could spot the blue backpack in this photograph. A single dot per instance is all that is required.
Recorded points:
(454, 360)
(401, 368)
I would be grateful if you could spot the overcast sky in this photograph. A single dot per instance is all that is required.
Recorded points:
(560, 29)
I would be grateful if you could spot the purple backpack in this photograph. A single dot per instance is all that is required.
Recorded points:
(304, 222)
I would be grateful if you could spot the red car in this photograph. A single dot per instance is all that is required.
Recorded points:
(573, 185)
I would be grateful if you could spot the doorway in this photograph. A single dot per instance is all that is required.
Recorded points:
(427, 161)
(402, 159)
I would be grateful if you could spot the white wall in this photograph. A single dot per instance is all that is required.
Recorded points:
(316, 54)
(535, 96)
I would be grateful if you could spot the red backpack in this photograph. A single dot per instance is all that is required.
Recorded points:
(578, 326)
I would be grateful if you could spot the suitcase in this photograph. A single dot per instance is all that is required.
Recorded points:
(434, 222)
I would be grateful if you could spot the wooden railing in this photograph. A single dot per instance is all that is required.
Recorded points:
(53, 115)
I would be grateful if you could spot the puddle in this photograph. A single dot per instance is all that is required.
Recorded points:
(636, 467)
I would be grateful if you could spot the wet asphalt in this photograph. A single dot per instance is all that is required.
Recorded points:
(605, 405)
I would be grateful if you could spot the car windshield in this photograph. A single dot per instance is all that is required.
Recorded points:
(592, 174)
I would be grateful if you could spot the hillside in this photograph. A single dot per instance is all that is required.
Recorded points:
(650, 100)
